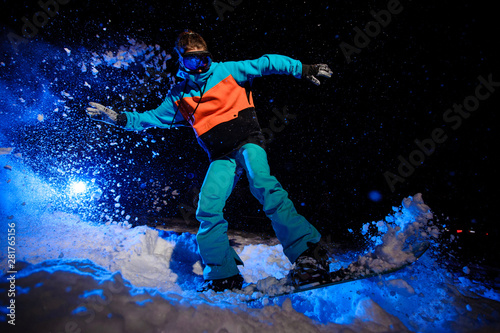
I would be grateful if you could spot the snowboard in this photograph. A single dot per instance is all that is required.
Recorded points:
(353, 272)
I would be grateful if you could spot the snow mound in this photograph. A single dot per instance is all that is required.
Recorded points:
(58, 295)
(139, 254)
(76, 275)
(263, 261)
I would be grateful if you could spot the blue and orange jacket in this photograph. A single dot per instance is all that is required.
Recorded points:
(217, 104)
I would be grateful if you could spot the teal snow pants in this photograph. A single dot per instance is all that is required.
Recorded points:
(292, 229)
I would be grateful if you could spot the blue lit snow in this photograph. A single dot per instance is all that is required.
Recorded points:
(112, 276)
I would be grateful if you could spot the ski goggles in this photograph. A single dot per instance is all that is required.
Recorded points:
(196, 61)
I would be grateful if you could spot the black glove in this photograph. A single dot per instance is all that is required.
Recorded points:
(311, 72)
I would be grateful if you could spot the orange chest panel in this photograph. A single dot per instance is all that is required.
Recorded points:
(219, 104)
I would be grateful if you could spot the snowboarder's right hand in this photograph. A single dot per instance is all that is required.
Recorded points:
(99, 112)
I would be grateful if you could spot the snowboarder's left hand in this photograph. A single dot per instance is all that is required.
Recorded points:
(311, 72)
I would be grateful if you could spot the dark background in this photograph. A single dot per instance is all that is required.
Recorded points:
(345, 134)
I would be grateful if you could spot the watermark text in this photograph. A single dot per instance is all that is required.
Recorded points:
(372, 29)
(452, 117)
(30, 28)
(11, 262)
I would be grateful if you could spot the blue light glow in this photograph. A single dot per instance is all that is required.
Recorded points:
(375, 196)
(78, 187)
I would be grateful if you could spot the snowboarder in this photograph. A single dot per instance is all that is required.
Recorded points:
(215, 99)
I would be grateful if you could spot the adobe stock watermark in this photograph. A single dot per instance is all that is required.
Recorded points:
(277, 123)
(29, 30)
(452, 117)
(221, 7)
(372, 29)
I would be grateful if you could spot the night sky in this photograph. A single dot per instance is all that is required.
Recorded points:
(341, 139)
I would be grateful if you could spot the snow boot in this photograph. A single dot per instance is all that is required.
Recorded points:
(311, 266)
(230, 283)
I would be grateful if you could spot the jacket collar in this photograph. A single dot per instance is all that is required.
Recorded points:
(196, 78)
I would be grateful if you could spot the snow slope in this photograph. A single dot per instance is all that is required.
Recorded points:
(80, 276)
